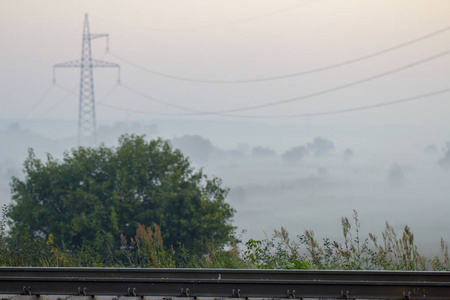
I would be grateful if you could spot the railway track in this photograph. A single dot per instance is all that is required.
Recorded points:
(196, 284)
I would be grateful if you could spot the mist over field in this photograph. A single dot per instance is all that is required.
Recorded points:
(309, 184)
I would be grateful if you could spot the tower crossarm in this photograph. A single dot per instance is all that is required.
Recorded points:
(98, 35)
(93, 36)
(87, 131)
(69, 64)
(96, 63)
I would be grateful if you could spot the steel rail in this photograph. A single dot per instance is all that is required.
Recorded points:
(226, 283)
(226, 274)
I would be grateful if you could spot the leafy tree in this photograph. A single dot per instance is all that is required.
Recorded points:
(93, 195)
(348, 153)
(295, 154)
(396, 177)
(445, 161)
(262, 152)
(320, 146)
(431, 149)
(197, 148)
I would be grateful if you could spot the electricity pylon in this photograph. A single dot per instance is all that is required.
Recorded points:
(87, 131)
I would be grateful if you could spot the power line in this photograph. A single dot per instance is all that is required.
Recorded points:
(286, 101)
(315, 94)
(69, 93)
(139, 111)
(260, 16)
(102, 99)
(39, 100)
(323, 113)
(151, 99)
(334, 89)
(297, 74)
(160, 101)
(72, 92)
(101, 103)
(353, 109)
(240, 21)
(87, 124)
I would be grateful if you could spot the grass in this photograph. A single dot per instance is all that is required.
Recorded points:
(391, 251)
(388, 251)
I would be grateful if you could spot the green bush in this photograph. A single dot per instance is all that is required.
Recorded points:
(147, 250)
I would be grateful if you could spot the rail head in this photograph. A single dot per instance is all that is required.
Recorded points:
(224, 283)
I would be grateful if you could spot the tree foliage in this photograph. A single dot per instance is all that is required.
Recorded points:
(445, 161)
(93, 195)
(295, 154)
(320, 146)
(197, 148)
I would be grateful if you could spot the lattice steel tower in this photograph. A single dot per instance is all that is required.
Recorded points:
(87, 130)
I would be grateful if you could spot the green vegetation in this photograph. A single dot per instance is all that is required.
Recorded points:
(391, 252)
(93, 195)
(147, 250)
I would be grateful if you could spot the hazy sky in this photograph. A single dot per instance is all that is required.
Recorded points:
(229, 40)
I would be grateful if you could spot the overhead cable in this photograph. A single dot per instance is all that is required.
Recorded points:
(160, 101)
(298, 98)
(69, 93)
(334, 89)
(304, 115)
(139, 111)
(39, 100)
(352, 109)
(283, 10)
(239, 21)
(103, 99)
(296, 74)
